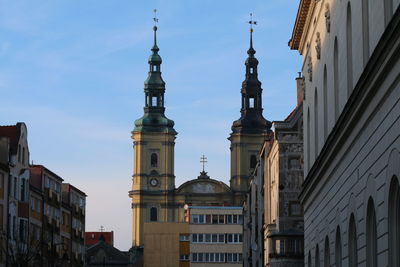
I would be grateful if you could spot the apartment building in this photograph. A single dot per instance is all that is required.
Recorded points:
(46, 190)
(216, 235)
(15, 175)
(76, 200)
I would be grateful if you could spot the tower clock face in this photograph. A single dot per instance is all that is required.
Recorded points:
(154, 182)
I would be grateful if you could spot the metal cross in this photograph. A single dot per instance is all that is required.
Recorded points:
(203, 160)
(155, 17)
(252, 22)
(102, 228)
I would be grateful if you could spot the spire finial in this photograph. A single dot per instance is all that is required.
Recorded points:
(251, 22)
(155, 19)
(203, 160)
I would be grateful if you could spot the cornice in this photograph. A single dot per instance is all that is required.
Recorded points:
(300, 23)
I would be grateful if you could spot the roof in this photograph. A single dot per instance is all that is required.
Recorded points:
(43, 168)
(203, 186)
(13, 132)
(216, 207)
(92, 238)
(299, 24)
(74, 188)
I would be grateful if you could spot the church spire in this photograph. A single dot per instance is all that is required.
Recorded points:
(251, 119)
(154, 88)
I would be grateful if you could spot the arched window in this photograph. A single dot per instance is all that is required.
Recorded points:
(309, 259)
(23, 155)
(327, 253)
(316, 122)
(353, 261)
(325, 103)
(153, 214)
(317, 256)
(388, 7)
(154, 160)
(394, 223)
(371, 235)
(365, 30)
(336, 77)
(349, 47)
(253, 161)
(338, 248)
(308, 139)
(19, 153)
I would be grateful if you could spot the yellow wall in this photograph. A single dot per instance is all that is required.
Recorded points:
(162, 243)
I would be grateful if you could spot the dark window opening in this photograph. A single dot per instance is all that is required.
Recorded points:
(153, 214)
(154, 160)
(253, 161)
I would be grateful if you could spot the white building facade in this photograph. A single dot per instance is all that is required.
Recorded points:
(351, 199)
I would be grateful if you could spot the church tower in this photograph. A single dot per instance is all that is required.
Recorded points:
(153, 180)
(250, 131)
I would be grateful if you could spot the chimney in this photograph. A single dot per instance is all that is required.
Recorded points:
(300, 89)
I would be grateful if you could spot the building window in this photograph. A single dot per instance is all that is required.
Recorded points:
(394, 223)
(253, 161)
(325, 92)
(23, 155)
(251, 102)
(153, 101)
(327, 253)
(184, 257)
(316, 122)
(309, 259)
(338, 248)
(388, 9)
(154, 160)
(317, 256)
(352, 242)
(295, 209)
(19, 153)
(183, 237)
(153, 214)
(308, 140)
(371, 235)
(365, 30)
(336, 77)
(349, 51)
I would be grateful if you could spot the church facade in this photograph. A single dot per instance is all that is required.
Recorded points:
(155, 198)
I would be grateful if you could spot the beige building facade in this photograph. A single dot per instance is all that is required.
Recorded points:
(351, 65)
(166, 245)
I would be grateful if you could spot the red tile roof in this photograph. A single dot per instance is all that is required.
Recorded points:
(92, 238)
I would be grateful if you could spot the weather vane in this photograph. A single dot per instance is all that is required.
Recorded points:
(203, 160)
(252, 22)
(155, 17)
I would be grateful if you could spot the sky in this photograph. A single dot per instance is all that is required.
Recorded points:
(73, 71)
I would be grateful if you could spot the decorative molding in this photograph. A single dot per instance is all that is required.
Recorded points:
(318, 45)
(327, 18)
(309, 70)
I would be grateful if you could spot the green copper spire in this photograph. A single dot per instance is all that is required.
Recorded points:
(154, 119)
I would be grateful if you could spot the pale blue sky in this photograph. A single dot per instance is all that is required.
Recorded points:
(73, 71)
